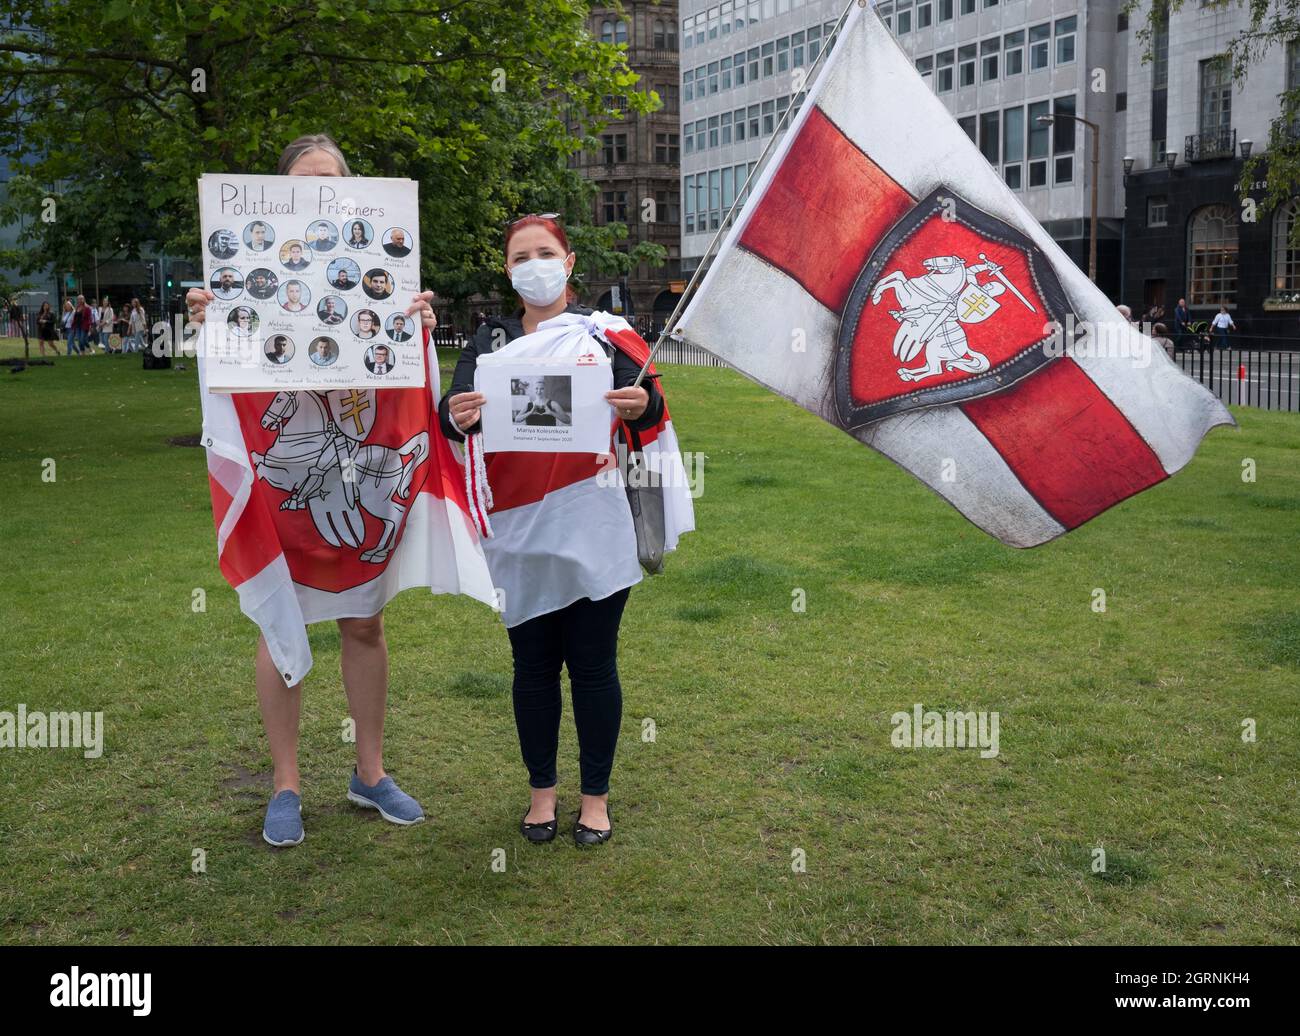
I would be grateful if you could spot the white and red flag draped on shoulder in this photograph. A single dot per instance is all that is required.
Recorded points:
(558, 526)
(884, 277)
(328, 504)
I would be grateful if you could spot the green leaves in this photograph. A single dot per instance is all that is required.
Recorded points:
(472, 99)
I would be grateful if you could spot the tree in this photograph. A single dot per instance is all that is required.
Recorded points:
(115, 108)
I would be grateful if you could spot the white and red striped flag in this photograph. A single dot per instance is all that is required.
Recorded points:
(328, 504)
(557, 526)
(884, 277)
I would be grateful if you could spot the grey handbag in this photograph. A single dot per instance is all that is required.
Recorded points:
(646, 501)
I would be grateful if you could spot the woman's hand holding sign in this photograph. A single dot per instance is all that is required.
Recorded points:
(423, 304)
(196, 300)
(464, 408)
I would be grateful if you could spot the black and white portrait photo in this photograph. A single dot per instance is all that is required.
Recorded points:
(223, 244)
(545, 399)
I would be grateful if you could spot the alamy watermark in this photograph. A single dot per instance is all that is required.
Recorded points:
(23, 729)
(922, 729)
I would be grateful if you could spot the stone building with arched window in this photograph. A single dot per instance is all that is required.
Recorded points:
(1189, 231)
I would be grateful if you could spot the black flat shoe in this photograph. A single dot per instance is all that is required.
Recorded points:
(584, 835)
(543, 831)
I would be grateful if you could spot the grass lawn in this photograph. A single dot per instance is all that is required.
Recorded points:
(1119, 731)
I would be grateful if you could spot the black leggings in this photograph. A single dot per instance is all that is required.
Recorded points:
(584, 637)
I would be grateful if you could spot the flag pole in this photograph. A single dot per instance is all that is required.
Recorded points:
(670, 331)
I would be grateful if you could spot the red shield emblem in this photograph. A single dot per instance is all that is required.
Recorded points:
(952, 304)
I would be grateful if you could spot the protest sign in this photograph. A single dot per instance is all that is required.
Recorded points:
(313, 276)
(554, 405)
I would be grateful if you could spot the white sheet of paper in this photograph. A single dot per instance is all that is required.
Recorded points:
(551, 405)
(313, 276)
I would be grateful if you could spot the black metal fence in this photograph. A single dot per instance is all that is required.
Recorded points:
(450, 336)
(1258, 372)
(1241, 375)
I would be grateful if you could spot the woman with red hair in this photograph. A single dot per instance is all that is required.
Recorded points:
(558, 532)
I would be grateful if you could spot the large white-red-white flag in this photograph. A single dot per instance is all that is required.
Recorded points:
(328, 504)
(884, 277)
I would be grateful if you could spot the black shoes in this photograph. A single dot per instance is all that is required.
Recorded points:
(584, 835)
(543, 831)
(546, 830)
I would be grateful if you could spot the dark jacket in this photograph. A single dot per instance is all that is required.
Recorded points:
(625, 371)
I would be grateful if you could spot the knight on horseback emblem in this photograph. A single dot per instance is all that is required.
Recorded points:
(934, 307)
(321, 459)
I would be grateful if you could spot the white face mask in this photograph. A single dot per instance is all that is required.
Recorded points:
(540, 281)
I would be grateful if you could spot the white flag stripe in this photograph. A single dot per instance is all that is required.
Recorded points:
(578, 541)
(906, 130)
(415, 564)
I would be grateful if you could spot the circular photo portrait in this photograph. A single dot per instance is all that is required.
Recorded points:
(259, 236)
(223, 243)
(226, 283)
(357, 233)
(262, 283)
(379, 359)
(343, 274)
(278, 349)
(365, 324)
(378, 284)
(243, 321)
(322, 236)
(397, 242)
(331, 310)
(400, 326)
(294, 255)
(323, 351)
(294, 296)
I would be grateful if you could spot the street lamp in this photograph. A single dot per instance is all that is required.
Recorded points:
(1246, 145)
(1047, 120)
(1171, 160)
(1128, 167)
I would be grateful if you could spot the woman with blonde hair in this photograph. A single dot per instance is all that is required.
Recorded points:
(364, 649)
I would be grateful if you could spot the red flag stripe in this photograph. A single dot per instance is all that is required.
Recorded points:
(1067, 442)
(823, 212)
